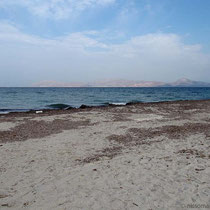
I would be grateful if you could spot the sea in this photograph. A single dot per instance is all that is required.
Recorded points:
(24, 99)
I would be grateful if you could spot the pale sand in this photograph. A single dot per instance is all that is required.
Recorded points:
(146, 156)
(6, 126)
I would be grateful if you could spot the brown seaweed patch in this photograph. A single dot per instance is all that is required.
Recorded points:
(39, 129)
(109, 152)
(120, 118)
(3, 196)
(131, 140)
(132, 109)
(193, 152)
(138, 136)
(172, 131)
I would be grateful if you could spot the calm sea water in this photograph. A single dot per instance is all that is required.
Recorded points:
(22, 99)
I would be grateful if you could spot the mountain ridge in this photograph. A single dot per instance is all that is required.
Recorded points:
(183, 82)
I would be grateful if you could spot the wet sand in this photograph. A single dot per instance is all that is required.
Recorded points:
(138, 156)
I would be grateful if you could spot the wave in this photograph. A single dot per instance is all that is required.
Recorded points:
(11, 92)
(113, 104)
(117, 104)
(83, 106)
(134, 102)
(6, 111)
(59, 106)
(39, 92)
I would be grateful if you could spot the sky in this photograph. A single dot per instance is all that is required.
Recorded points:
(89, 40)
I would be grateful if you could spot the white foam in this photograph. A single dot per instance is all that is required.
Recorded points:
(4, 112)
(118, 104)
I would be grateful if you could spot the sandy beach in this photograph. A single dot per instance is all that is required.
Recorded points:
(138, 156)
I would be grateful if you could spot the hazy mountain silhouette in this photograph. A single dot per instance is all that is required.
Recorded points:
(183, 82)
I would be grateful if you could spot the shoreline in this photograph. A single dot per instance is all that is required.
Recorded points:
(88, 107)
(106, 105)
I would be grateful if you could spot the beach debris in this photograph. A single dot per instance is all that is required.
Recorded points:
(135, 204)
(39, 112)
(5, 204)
(83, 106)
(199, 169)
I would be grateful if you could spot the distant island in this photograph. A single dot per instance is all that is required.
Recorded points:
(184, 82)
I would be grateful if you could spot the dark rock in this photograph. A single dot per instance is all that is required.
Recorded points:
(84, 106)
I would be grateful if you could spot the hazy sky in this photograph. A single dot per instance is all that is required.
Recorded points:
(87, 40)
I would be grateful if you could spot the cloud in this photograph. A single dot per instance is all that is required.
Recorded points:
(84, 57)
(56, 9)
